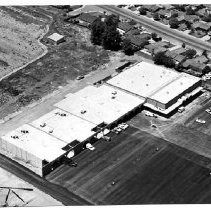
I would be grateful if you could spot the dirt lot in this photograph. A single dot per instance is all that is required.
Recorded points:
(130, 170)
(30, 198)
(59, 66)
(19, 35)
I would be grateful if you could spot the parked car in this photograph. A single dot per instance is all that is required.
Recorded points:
(90, 147)
(181, 109)
(200, 121)
(80, 77)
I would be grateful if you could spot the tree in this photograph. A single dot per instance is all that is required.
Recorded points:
(204, 53)
(190, 53)
(111, 39)
(112, 21)
(161, 59)
(174, 15)
(97, 31)
(142, 11)
(156, 16)
(154, 36)
(190, 11)
(127, 47)
(207, 18)
(183, 45)
(132, 22)
(174, 23)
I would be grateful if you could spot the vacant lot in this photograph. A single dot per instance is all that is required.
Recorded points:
(19, 35)
(131, 170)
(30, 198)
(60, 65)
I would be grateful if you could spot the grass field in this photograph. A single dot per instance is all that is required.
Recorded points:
(130, 170)
(19, 35)
(60, 65)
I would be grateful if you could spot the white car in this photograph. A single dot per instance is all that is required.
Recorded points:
(125, 126)
(149, 114)
(90, 147)
(200, 121)
(208, 111)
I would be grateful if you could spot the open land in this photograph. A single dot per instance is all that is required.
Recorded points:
(61, 64)
(30, 198)
(19, 38)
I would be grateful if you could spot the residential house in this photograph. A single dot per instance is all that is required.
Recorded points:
(179, 59)
(191, 18)
(202, 12)
(201, 59)
(203, 26)
(171, 54)
(200, 68)
(154, 8)
(157, 47)
(179, 51)
(146, 36)
(124, 27)
(133, 32)
(137, 41)
(164, 13)
(86, 19)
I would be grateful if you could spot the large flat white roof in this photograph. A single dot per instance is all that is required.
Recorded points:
(143, 79)
(36, 142)
(67, 127)
(178, 86)
(101, 104)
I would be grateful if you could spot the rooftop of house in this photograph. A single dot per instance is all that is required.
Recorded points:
(136, 40)
(191, 17)
(56, 37)
(201, 25)
(200, 59)
(179, 51)
(87, 17)
(125, 26)
(179, 58)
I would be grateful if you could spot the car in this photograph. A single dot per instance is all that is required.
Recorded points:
(107, 138)
(70, 162)
(181, 109)
(124, 126)
(90, 147)
(147, 113)
(200, 121)
(115, 131)
(154, 126)
(119, 129)
(79, 77)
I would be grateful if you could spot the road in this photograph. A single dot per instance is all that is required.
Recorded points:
(160, 28)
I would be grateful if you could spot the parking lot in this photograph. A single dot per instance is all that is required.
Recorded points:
(136, 167)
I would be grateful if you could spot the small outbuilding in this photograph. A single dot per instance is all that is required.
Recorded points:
(56, 38)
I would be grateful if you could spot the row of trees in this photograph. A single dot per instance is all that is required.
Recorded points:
(105, 33)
